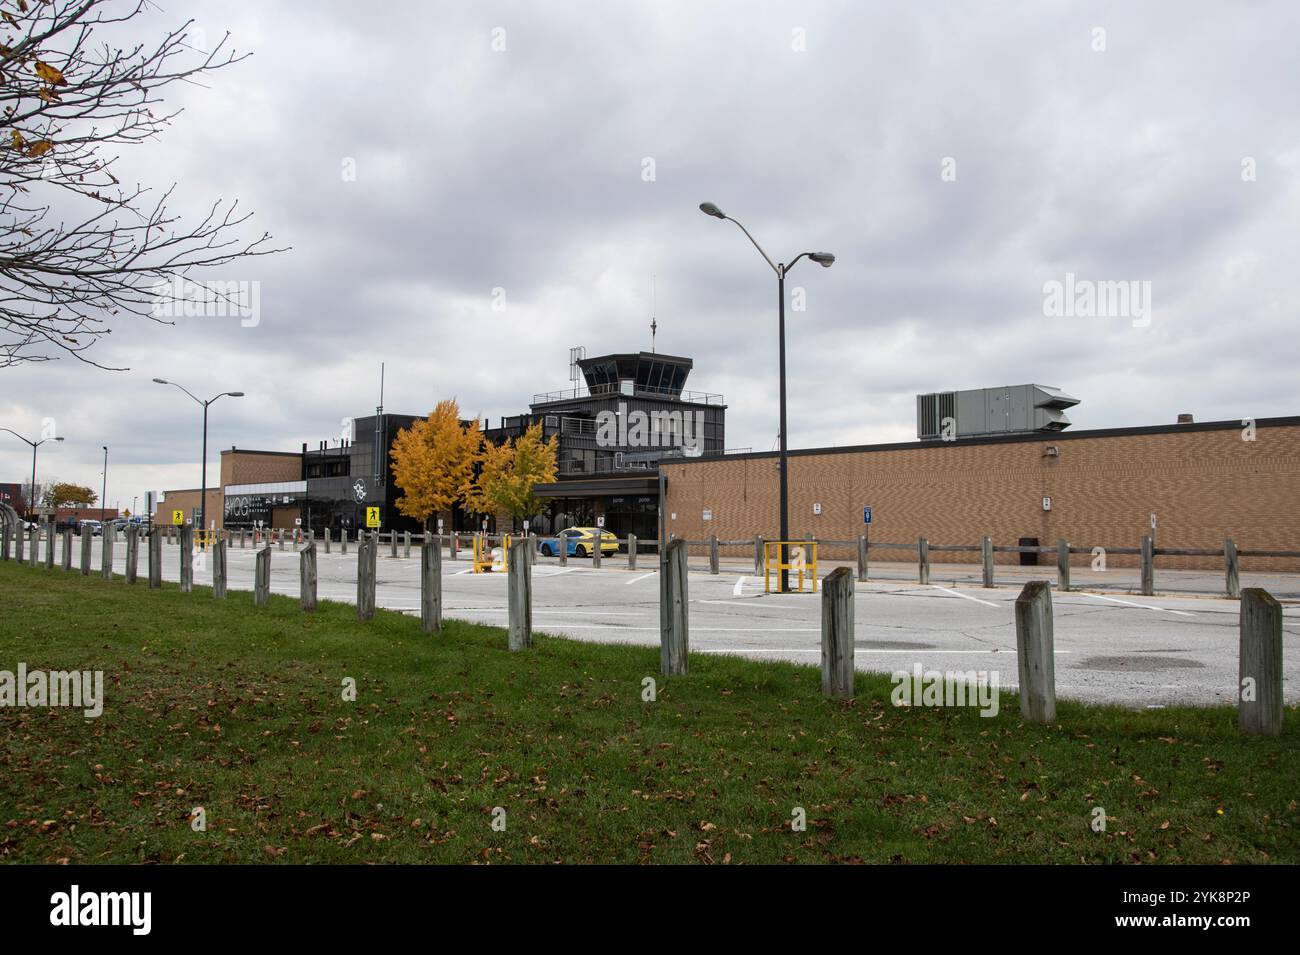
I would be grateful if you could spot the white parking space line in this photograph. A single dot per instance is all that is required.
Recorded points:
(568, 613)
(1129, 603)
(740, 585)
(642, 577)
(958, 593)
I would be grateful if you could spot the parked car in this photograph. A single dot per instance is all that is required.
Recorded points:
(95, 527)
(579, 542)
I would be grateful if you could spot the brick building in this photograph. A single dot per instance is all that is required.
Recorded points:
(1204, 482)
(243, 474)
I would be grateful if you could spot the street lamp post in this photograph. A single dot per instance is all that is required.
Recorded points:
(825, 260)
(35, 444)
(203, 485)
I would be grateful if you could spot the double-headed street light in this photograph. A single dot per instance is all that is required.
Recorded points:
(203, 485)
(825, 260)
(35, 445)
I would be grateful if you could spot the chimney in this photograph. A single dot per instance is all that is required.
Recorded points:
(1185, 418)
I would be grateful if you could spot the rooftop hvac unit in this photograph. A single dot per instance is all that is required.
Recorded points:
(1012, 409)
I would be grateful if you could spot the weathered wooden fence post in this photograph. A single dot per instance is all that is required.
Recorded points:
(597, 548)
(218, 552)
(106, 554)
(66, 557)
(406, 545)
(343, 541)
(34, 542)
(1232, 579)
(1148, 566)
(713, 553)
(520, 585)
(1035, 649)
(307, 578)
(280, 535)
(154, 541)
(759, 564)
(85, 551)
(18, 543)
(431, 584)
(262, 575)
(562, 543)
(923, 560)
(367, 548)
(837, 634)
(5, 532)
(187, 558)
(1063, 565)
(986, 559)
(674, 623)
(631, 552)
(132, 553)
(862, 557)
(49, 545)
(392, 544)
(1259, 673)
(243, 538)
(453, 547)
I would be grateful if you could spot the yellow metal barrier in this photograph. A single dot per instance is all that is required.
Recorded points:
(484, 560)
(802, 559)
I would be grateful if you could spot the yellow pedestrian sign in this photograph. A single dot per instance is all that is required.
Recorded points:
(178, 517)
(372, 517)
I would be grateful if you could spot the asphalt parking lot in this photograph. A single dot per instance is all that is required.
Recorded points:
(1111, 648)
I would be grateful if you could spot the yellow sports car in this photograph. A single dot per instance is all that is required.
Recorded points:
(580, 542)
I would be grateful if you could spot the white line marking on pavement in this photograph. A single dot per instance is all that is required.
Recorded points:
(642, 577)
(1129, 603)
(740, 585)
(571, 613)
(958, 593)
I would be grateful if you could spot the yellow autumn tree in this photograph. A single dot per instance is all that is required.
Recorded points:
(433, 462)
(511, 470)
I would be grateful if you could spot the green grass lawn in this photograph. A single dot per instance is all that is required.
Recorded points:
(239, 710)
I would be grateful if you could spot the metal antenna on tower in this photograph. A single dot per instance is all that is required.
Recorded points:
(654, 326)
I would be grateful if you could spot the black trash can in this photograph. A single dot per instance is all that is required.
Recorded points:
(1029, 560)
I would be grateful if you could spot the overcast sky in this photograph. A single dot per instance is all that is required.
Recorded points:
(955, 157)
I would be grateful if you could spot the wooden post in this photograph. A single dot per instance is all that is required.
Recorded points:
(923, 560)
(5, 532)
(132, 553)
(243, 538)
(713, 553)
(155, 559)
(431, 584)
(307, 578)
(631, 552)
(1063, 565)
(343, 541)
(392, 544)
(452, 548)
(1259, 682)
(85, 551)
(328, 534)
(18, 543)
(1232, 580)
(262, 576)
(862, 557)
(674, 622)
(986, 559)
(280, 535)
(759, 568)
(1035, 648)
(366, 550)
(563, 544)
(837, 634)
(1148, 567)
(595, 554)
(66, 561)
(34, 543)
(406, 545)
(105, 554)
(187, 558)
(520, 587)
(218, 552)
(49, 545)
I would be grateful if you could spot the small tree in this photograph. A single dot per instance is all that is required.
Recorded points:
(64, 494)
(511, 471)
(433, 462)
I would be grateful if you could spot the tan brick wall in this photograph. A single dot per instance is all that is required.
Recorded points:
(259, 467)
(186, 500)
(1203, 486)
